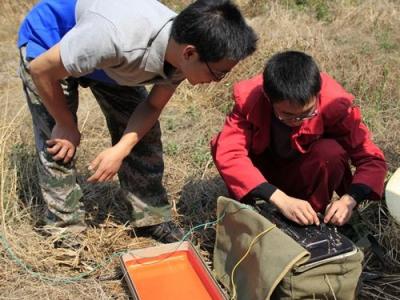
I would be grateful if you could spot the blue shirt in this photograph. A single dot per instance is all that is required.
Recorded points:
(119, 42)
(45, 25)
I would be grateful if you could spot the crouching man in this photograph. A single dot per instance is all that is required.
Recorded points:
(290, 139)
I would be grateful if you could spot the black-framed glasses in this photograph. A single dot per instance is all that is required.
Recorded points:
(306, 116)
(218, 75)
(300, 118)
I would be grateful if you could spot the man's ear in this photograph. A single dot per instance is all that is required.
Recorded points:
(190, 52)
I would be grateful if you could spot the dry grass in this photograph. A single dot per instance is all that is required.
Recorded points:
(355, 41)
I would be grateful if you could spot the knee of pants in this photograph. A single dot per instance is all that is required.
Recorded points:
(54, 169)
(328, 152)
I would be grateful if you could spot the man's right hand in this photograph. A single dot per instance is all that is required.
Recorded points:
(63, 142)
(296, 210)
(47, 70)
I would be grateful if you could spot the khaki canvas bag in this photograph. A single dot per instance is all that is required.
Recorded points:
(275, 266)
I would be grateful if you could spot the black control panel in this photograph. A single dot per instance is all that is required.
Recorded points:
(323, 241)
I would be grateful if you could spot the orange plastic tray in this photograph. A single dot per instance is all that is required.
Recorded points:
(173, 271)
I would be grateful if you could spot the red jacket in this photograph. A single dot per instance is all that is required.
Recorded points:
(246, 133)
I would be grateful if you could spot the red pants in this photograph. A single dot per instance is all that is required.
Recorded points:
(312, 176)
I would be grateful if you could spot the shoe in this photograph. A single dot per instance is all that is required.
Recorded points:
(73, 242)
(69, 237)
(165, 232)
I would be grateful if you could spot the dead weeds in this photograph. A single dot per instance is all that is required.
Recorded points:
(357, 42)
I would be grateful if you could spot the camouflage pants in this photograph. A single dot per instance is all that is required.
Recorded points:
(140, 174)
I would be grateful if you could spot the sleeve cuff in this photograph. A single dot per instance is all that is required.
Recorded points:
(262, 191)
(359, 192)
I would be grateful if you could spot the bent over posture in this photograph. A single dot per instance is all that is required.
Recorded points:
(115, 48)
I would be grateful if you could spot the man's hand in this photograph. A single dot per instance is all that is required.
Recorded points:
(296, 210)
(47, 70)
(63, 142)
(146, 114)
(339, 212)
(107, 164)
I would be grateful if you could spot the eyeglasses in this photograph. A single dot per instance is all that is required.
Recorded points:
(298, 118)
(218, 75)
(306, 116)
(302, 117)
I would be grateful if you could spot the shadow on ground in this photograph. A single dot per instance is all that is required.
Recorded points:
(101, 201)
(197, 205)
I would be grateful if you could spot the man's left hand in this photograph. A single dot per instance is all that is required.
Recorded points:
(106, 164)
(339, 212)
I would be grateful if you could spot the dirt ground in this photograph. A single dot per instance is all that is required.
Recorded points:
(357, 42)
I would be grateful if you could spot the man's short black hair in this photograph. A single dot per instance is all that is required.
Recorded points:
(216, 28)
(292, 76)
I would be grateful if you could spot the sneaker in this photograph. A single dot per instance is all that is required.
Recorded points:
(165, 232)
(69, 237)
(73, 242)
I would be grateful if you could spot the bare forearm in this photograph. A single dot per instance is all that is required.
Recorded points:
(53, 99)
(107, 163)
(46, 71)
(144, 117)
(140, 122)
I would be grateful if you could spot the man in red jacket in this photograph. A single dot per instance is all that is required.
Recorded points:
(289, 140)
